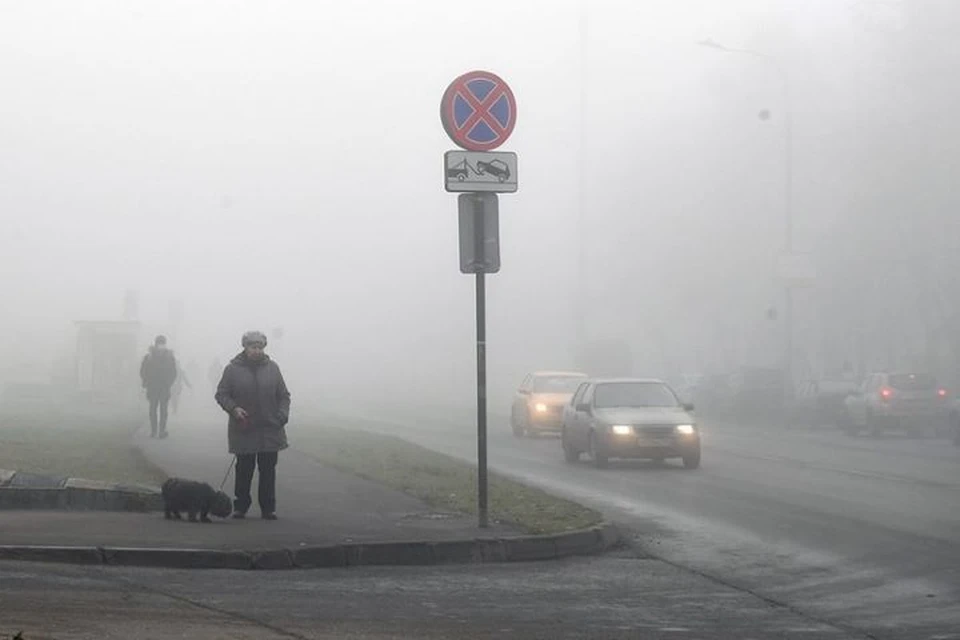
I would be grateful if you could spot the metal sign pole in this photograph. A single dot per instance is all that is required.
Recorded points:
(479, 175)
(478, 226)
(481, 401)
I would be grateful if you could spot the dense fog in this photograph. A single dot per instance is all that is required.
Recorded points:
(278, 166)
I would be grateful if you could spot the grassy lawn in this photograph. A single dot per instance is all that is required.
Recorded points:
(441, 481)
(97, 448)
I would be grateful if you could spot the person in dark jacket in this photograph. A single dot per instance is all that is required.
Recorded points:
(253, 393)
(158, 370)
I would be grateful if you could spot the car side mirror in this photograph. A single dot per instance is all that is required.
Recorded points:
(688, 406)
(585, 408)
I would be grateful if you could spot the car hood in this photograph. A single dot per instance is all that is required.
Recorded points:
(644, 415)
(550, 399)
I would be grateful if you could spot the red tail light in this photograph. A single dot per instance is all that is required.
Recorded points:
(886, 393)
(942, 393)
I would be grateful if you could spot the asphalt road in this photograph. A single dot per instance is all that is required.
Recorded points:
(859, 533)
(778, 535)
(614, 596)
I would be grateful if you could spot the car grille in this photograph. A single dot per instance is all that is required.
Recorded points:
(656, 429)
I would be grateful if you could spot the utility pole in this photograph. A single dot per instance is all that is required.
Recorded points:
(788, 248)
(579, 301)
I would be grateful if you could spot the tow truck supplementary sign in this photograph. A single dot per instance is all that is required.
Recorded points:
(478, 111)
(466, 171)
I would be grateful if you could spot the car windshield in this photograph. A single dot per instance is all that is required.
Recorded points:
(556, 384)
(913, 381)
(633, 394)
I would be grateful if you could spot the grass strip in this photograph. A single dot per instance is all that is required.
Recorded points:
(443, 482)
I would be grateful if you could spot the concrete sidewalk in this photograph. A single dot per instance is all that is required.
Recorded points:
(315, 504)
(327, 519)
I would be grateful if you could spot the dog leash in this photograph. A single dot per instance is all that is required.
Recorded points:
(227, 474)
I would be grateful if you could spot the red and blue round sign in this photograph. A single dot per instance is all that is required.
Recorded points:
(478, 111)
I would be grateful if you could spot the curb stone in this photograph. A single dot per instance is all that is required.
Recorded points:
(477, 551)
(20, 491)
(273, 559)
(176, 558)
(63, 555)
(318, 557)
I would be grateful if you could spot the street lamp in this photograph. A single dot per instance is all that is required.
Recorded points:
(580, 306)
(787, 200)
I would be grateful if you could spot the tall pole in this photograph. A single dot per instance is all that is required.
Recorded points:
(787, 241)
(579, 304)
(481, 401)
(479, 224)
(787, 215)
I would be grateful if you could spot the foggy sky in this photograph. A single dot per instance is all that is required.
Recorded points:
(278, 164)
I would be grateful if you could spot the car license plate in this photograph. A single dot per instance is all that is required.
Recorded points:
(656, 442)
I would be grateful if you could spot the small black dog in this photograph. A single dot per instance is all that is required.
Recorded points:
(193, 497)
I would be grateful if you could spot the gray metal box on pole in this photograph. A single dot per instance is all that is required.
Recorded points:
(479, 232)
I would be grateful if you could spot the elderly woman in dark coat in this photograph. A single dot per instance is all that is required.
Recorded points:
(252, 391)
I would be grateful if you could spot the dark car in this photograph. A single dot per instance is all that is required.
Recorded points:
(756, 394)
(820, 403)
(496, 168)
(629, 418)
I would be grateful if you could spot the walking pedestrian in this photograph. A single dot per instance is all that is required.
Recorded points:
(158, 370)
(253, 393)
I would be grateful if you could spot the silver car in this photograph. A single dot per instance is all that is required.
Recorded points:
(885, 401)
(629, 418)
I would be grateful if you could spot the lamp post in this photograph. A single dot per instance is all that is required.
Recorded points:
(580, 306)
(787, 202)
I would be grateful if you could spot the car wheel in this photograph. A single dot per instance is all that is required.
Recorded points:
(570, 454)
(692, 461)
(600, 461)
(461, 177)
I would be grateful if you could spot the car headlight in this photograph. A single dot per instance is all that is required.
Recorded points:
(685, 429)
(621, 429)
(540, 407)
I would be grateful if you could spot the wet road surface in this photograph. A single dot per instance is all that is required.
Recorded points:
(861, 533)
(618, 595)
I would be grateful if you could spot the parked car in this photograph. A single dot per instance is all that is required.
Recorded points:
(712, 395)
(629, 418)
(895, 401)
(497, 168)
(539, 401)
(821, 402)
(756, 394)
